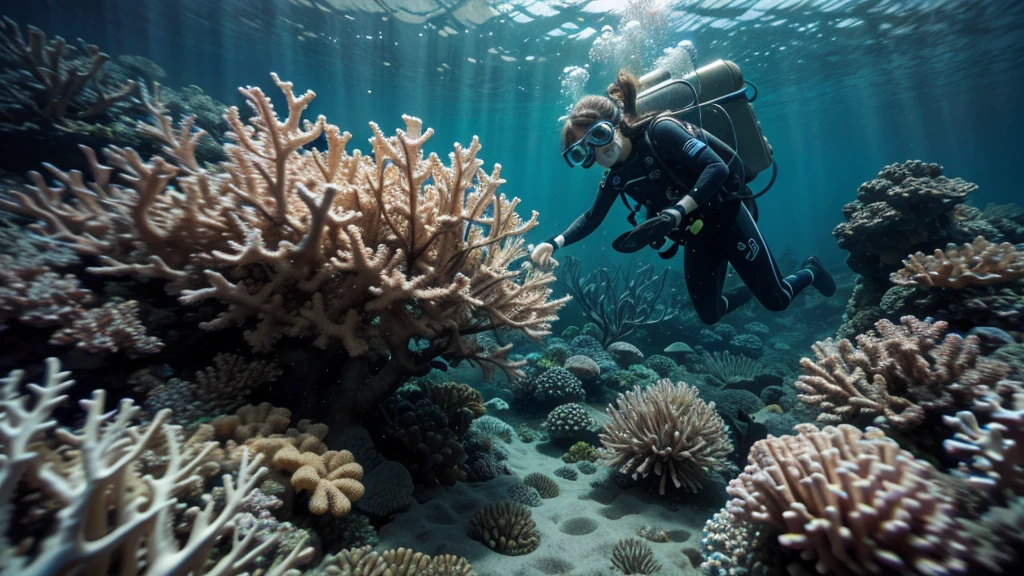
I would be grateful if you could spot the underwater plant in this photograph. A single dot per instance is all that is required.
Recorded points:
(392, 259)
(617, 301)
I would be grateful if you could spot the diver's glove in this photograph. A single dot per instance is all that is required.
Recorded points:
(651, 232)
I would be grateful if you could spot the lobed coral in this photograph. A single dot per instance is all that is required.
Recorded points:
(979, 263)
(634, 556)
(852, 501)
(665, 429)
(545, 485)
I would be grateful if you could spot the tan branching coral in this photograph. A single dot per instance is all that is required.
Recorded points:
(852, 501)
(665, 429)
(896, 374)
(978, 263)
(102, 528)
(369, 252)
(60, 88)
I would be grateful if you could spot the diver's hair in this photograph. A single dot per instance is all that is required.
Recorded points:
(592, 109)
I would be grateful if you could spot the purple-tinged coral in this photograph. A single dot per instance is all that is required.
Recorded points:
(897, 374)
(112, 327)
(852, 501)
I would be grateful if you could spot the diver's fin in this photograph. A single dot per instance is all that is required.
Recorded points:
(823, 281)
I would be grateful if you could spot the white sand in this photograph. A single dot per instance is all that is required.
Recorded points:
(579, 528)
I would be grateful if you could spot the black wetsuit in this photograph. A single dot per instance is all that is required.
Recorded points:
(729, 235)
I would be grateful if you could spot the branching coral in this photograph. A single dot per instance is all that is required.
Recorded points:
(852, 501)
(59, 89)
(109, 328)
(897, 374)
(373, 253)
(979, 263)
(668, 430)
(618, 301)
(86, 537)
(995, 451)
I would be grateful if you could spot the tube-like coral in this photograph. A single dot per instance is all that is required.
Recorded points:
(851, 500)
(665, 429)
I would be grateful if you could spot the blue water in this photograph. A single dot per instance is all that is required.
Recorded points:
(847, 86)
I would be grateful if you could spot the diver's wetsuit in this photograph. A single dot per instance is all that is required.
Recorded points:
(729, 235)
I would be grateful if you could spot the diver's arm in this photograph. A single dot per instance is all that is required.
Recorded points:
(588, 222)
(679, 146)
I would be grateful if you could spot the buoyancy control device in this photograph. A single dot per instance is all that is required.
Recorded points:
(715, 99)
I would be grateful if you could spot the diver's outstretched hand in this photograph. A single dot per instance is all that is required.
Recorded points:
(541, 256)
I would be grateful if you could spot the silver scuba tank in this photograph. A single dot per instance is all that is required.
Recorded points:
(659, 91)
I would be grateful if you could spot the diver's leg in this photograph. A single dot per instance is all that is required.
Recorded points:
(705, 268)
(750, 256)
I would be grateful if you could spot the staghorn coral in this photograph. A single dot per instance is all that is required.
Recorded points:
(634, 556)
(370, 252)
(84, 537)
(109, 328)
(59, 88)
(396, 562)
(897, 374)
(852, 501)
(979, 263)
(665, 429)
(506, 528)
(545, 486)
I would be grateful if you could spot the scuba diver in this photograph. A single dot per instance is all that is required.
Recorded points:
(694, 189)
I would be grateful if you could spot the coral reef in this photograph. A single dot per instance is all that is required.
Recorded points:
(108, 450)
(506, 527)
(617, 301)
(665, 429)
(580, 452)
(979, 263)
(897, 374)
(852, 501)
(557, 386)
(567, 473)
(326, 245)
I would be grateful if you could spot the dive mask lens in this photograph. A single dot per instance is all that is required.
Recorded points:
(582, 152)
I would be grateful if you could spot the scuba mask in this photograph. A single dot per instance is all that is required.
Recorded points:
(583, 152)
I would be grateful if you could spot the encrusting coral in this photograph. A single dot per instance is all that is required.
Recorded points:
(85, 535)
(976, 264)
(852, 501)
(370, 252)
(897, 374)
(666, 429)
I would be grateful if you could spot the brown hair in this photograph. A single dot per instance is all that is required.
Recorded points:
(592, 109)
